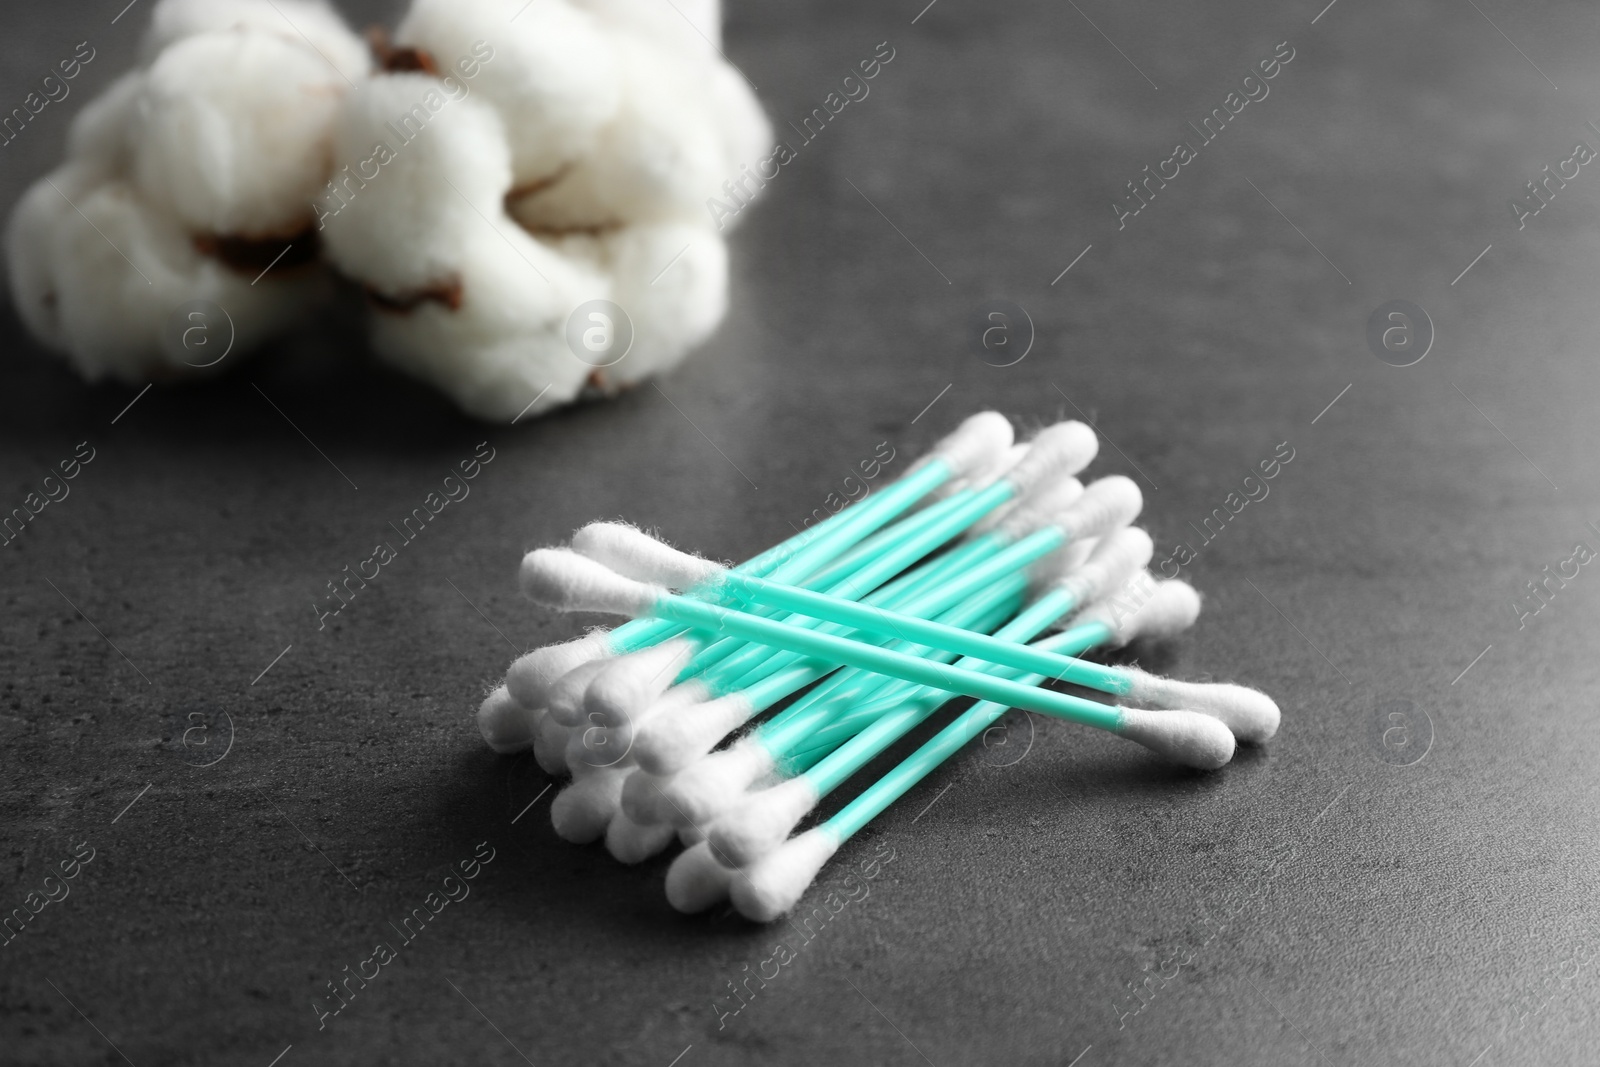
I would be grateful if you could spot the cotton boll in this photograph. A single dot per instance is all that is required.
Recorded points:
(101, 285)
(305, 23)
(467, 300)
(746, 134)
(673, 308)
(549, 69)
(416, 178)
(505, 344)
(233, 134)
(659, 159)
(40, 216)
(693, 26)
(98, 141)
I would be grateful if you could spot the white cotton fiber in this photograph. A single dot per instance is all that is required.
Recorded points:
(233, 134)
(659, 159)
(511, 163)
(98, 278)
(549, 69)
(305, 23)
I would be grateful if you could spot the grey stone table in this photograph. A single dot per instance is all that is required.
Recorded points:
(1364, 889)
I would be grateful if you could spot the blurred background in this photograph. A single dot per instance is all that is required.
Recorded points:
(1343, 895)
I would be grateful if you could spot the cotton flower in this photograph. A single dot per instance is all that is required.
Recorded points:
(519, 188)
(182, 181)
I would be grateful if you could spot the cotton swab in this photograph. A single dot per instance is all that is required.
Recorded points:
(697, 878)
(668, 746)
(583, 810)
(971, 448)
(1057, 452)
(700, 791)
(749, 831)
(1251, 715)
(771, 886)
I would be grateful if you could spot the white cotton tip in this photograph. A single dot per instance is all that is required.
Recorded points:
(1249, 713)
(566, 695)
(1039, 507)
(550, 746)
(1185, 737)
(761, 822)
(986, 475)
(1116, 558)
(506, 725)
(695, 881)
(560, 578)
(708, 787)
(1144, 607)
(591, 748)
(643, 800)
(766, 890)
(581, 812)
(604, 744)
(630, 842)
(1108, 504)
(530, 675)
(1058, 451)
(629, 685)
(634, 554)
(668, 744)
(977, 443)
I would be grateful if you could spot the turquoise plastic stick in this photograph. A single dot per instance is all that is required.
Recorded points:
(1008, 561)
(987, 609)
(764, 692)
(712, 663)
(828, 647)
(971, 723)
(845, 715)
(890, 726)
(795, 558)
(888, 623)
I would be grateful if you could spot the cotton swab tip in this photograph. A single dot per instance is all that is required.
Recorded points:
(581, 812)
(1060, 450)
(630, 842)
(630, 684)
(972, 446)
(1108, 504)
(532, 674)
(1144, 607)
(746, 833)
(1185, 737)
(567, 693)
(562, 579)
(768, 889)
(695, 881)
(1115, 558)
(635, 554)
(706, 788)
(550, 747)
(505, 724)
(669, 743)
(1249, 713)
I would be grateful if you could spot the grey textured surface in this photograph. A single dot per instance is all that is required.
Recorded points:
(1319, 905)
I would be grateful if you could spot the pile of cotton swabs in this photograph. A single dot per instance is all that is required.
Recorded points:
(986, 571)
